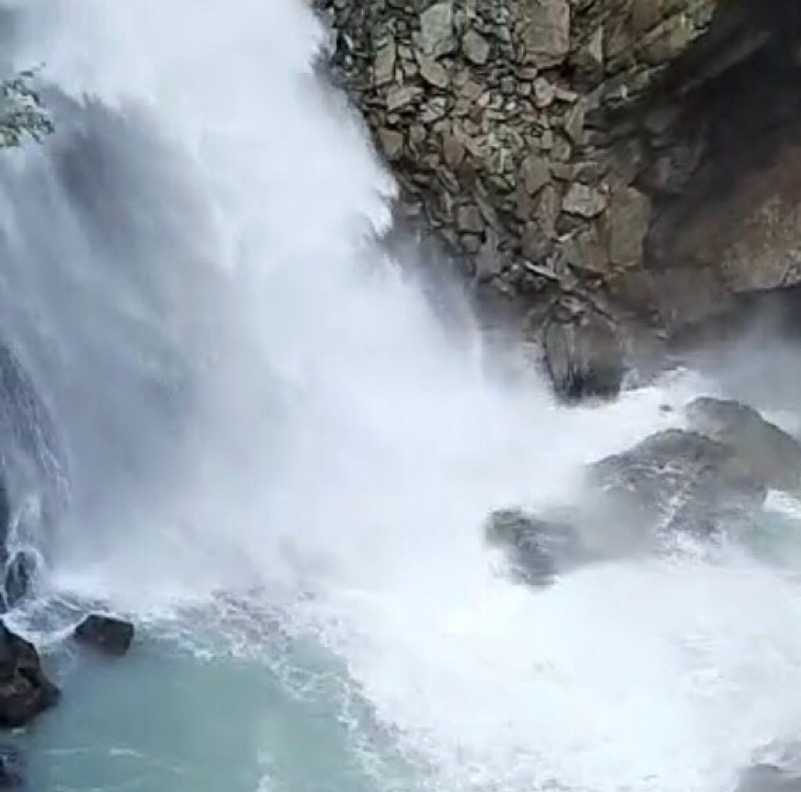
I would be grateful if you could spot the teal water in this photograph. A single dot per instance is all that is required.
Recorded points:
(187, 710)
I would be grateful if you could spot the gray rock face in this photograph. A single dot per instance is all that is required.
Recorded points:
(618, 148)
(773, 456)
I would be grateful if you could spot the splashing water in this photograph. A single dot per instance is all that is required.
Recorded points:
(279, 462)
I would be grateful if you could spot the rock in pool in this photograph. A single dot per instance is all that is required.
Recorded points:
(25, 691)
(106, 634)
(536, 549)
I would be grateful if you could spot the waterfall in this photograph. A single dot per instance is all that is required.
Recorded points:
(273, 456)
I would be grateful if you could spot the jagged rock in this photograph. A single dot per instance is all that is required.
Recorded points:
(25, 691)
(774, 457)
(675, 178)
(535, 172)
(106, 634)
(433, 73)
(545, 32)
(391, 143)
(475, 47)
(678, 481)
(453, 150)
(400, 96)
(384, 67)
(437, 36)
(536, 549)
(583, 201)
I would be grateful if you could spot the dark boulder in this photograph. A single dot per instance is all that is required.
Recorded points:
(25, 691)
(536, 549)
(773, 455)
(583, 354)
(676, 480)
(106, 634)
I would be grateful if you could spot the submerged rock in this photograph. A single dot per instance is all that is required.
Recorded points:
(773, 455)
(106, 634)
(767, 778)
(536, 549)
(25, 691)
(677, 480)
(11, 768)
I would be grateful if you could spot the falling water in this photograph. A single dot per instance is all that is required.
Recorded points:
(277, 461)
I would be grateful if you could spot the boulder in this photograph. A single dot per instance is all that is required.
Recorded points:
(773, 455)
(676, 480)
(107, 634)
(25, 691)
(536, 549)
(583, 356)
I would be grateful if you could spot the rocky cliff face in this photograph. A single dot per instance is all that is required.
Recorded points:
(607, 164)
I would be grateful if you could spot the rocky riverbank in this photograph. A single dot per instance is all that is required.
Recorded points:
(620, 172)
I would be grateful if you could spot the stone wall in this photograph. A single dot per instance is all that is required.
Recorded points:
(559, 146)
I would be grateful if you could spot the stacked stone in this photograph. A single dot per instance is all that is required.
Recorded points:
(495, 116)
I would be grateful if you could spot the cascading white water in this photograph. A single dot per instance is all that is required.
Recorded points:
(277, 456)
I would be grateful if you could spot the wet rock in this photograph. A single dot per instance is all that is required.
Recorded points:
(19, 577)
(773, 456)
(107, 634)
(677, 481)
(536, 549)
(583, 356)
(25, 691)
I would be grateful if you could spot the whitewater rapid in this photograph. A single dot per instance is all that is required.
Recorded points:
(258, 407)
